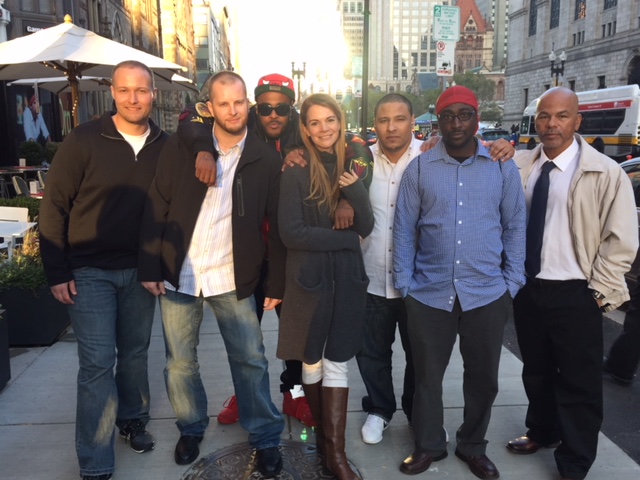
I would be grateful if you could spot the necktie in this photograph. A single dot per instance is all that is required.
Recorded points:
(535, 227)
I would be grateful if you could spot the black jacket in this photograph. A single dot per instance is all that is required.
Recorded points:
(95, 196)
(175, 198)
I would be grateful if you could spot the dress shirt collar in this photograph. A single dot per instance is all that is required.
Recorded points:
(440, 153)
(240, 144)
(563, 160)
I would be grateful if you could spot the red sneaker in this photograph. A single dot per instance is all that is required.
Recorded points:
(229, 414)
(298, 408)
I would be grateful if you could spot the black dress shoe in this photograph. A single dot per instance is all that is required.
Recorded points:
(187, 449)
(269, 461)
(419, 462)
(480, 465)
(527, 446)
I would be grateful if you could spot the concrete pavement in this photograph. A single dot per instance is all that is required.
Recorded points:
(37, 413)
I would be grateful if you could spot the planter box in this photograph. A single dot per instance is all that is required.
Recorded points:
(5, 364)
(34, 318)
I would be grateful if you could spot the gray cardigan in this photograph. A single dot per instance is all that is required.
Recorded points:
(325, 282)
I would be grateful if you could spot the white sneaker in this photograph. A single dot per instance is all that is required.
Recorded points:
(373, 428)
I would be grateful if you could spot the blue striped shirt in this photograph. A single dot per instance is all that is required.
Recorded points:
(459, 230)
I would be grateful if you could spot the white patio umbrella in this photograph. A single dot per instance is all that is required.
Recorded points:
(73, 52)
(59, 85)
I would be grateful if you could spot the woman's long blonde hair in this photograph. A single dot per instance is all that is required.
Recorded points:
(324, 190)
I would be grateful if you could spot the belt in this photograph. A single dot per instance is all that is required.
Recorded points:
(544, 282)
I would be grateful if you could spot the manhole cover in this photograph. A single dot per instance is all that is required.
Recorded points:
(237, 462)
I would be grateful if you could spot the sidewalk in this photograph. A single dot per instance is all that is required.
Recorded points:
(37, 412)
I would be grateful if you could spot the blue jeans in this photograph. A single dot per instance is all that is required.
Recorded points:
(112, 318)
(374, 360)
(238, 323)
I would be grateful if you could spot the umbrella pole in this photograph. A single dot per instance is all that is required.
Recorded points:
(75, 97)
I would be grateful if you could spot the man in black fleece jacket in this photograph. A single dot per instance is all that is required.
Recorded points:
(89, 238)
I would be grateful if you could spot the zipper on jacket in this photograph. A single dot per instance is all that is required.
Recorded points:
(240, 195)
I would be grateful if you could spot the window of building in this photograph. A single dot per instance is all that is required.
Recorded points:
(414, 59)
(581, 9)
(572, 85)
(555, 14)
(610, 4)
(423, 59)
(526, 98)
(547, 86)
(533, 17)
(360, 7)
(601, 82)
(38, 6)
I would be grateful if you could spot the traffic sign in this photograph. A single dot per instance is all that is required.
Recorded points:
(446, 53)
(446, 23)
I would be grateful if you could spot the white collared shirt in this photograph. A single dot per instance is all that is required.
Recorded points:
(208, 265)
(377, 248)
(558, 260)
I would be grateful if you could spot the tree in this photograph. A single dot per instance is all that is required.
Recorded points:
(478, 83)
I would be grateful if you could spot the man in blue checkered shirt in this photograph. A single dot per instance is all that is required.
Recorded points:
(459, 250)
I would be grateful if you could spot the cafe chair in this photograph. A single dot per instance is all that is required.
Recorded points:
(4, 189)
(22, 189)
(42, 176)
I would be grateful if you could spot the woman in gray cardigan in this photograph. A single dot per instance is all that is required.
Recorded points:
(321, 321)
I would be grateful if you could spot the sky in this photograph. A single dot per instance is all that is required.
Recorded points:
(273, 33)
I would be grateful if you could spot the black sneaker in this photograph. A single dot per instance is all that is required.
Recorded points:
(97, 477)
(139, 439)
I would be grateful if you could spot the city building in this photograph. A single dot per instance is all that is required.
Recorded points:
(402, 50)
(496, 12)
(211, 24)
(600, 40)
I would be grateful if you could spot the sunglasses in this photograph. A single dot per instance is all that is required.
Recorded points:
(282, 109)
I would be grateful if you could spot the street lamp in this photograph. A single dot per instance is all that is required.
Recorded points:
(300, 74)
(557, 71)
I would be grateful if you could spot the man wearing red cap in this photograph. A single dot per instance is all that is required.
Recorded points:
(458, 256)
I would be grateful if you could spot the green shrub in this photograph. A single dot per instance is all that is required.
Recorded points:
(51, 149)
(24, 269)
(32, 152)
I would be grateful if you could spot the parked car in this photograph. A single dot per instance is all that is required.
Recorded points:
(491, 134)
(632, 168)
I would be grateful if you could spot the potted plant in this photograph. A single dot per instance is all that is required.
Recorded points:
(50, 150)
(34, 316)
(33, 152)
(5, 363)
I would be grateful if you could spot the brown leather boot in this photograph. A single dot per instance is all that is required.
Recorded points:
(334, 423)
(313, 392)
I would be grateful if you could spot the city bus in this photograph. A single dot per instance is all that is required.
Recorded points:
(613, 114)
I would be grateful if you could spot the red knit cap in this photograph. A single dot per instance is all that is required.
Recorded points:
(456, 94)
(275, 82)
